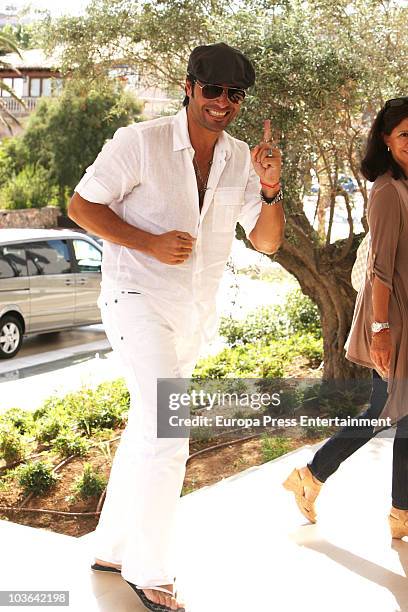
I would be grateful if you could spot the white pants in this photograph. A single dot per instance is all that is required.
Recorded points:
(136, 525)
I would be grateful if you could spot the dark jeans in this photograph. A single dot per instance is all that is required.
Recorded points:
(343, 444)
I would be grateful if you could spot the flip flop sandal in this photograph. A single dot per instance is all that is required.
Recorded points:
(105, 568)
(152, 605)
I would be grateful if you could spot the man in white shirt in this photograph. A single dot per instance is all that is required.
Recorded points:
(165, 195)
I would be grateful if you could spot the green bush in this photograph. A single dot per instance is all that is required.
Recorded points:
(30, 188)
(259, 360)
(316, 431)
(36, 477)
(20, 419)
(48, 427)
(298, 315)
(85, 410)
(69, 443)
(90, 484)
(262, 324)
(12, 158)
(99, 410)
(273, 447)
(303, 314)
(12, 443)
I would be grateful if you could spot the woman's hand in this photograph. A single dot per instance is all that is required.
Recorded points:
(380, 351)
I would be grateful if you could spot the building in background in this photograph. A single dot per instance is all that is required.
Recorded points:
(38, 76)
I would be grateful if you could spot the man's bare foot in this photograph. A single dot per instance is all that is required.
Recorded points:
(163, 598)
(107, 564)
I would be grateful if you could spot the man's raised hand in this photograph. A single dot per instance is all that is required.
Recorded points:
(267, 158)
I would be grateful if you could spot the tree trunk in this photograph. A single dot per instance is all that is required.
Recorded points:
(327, 281)
(324, 274)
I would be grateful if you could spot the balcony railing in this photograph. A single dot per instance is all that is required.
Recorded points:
(14, 107)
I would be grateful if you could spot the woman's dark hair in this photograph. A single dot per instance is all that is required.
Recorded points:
(378, 159)
(186, 98)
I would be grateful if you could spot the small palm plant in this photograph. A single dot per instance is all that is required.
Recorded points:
(6, 117)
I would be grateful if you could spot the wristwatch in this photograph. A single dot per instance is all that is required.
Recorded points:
(270, 201)
(377, 327)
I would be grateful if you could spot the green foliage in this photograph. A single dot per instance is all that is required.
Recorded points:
(263, 324)
(299, 315)
(260, 360)
(25, 36)
(12, 443)
(30, 188)
(65, 134)
(48, 428)
(100, 409)
(85, 410)
(22, 420)
(273, 447)
(36, 477)
(302, 314)
(13, 156)
(62, 138)
(90, 484)
(69, 443)
(316, 431)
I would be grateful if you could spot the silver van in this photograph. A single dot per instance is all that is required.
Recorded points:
(49, 280)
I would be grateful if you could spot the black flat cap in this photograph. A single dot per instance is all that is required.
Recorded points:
(219, 64)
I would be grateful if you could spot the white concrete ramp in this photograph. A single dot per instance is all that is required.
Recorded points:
(244, 547)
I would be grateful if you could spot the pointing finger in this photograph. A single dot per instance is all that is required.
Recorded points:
(267, 130)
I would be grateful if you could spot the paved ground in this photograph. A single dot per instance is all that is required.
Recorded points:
(244, 546)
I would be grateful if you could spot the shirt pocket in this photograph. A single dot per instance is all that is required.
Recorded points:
(227, 205)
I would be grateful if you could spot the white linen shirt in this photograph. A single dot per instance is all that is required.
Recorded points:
(145, 174)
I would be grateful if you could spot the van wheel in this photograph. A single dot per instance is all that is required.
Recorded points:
(11, 336)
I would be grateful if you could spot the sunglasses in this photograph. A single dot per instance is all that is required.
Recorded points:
(211, 92)
(396, 102)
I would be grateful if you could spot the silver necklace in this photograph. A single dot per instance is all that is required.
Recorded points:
(203, 182)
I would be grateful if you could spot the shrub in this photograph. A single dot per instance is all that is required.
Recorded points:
(316, 431)
(87, 410)
(48, 427)
(36, 477)
(259, 360)
(20, 419)
(12, 444)
(262, 324)
(98, 413)
(303, 314)
(13, 156)
(69, 443)
(266, 324)
(273, 447)
(90, 484)
(30, 188)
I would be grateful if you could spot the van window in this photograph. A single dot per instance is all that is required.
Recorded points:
(48, 257)
(12, 261)
(88, 257)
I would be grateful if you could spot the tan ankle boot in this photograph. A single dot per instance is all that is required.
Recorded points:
(297, 481)
(398, 520)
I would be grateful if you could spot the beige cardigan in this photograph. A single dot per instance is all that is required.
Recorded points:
(387, 215)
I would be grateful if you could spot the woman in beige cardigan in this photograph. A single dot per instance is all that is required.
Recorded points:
(379, 332)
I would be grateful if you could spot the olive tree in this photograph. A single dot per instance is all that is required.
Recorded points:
(323, 67)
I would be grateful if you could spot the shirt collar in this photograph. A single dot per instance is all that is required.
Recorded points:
(181, 137)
